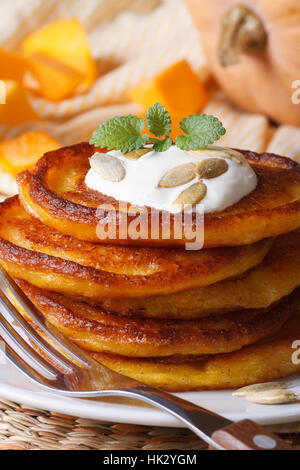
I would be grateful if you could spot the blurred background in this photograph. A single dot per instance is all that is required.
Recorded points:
(68, 65)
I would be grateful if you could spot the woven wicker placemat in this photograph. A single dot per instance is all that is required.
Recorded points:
(23, 428)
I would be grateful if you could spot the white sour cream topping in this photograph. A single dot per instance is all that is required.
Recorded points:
(140, 185)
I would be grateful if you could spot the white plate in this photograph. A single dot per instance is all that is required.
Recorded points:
(14, 386)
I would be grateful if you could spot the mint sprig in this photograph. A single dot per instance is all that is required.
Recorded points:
(125, 132)
(158, 120)
(201, 130)
(161, 145)
(159, 124)
(120, 133)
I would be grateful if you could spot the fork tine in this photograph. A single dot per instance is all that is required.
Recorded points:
(16, 342)
(37, 339)
(68, 348)
(23, 365)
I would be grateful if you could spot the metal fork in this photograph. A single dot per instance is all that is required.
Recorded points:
(59, 366)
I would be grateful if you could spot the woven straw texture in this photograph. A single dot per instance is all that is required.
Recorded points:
(23, 428)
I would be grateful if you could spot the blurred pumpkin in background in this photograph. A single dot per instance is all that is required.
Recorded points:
(253, 50)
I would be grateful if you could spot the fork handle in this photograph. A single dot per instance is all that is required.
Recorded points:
(248, 435)
(220, 433)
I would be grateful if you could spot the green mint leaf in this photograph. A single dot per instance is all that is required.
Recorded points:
(161, 145)
(120, 133)
(201, 130)
(158, 120)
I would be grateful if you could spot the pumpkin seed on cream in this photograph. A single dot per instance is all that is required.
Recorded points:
(147, 180)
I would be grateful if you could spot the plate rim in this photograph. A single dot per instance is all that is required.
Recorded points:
(131, 414)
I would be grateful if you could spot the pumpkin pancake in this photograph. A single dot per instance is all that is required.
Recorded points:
(47, 258)
(275, 277)
(95, 329)
(56, 194)
(268, 360)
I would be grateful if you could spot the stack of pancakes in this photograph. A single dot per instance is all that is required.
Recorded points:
(220, 317)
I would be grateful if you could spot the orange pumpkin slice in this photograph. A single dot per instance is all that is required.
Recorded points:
(61, 58)
(17, 108)
(23, 151)
(177, 87)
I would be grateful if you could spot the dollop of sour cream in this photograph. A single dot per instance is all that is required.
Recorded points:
(140, 185)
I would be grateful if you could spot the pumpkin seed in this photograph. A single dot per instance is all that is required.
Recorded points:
(211, 168)
(237, 157)
(244, 391)
(136, 154)
(107, 166)
(178, 175)
(273, 397)
(192, 195)
(222, 152)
